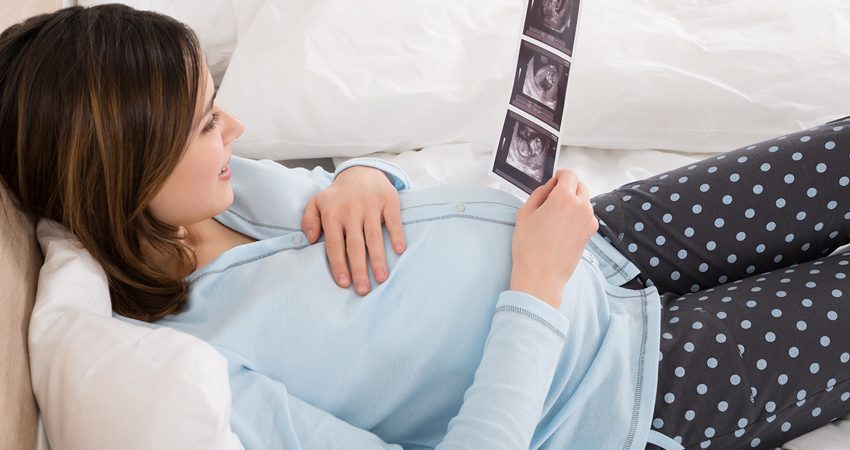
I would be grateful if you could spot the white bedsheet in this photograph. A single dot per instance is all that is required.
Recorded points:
(601, 170)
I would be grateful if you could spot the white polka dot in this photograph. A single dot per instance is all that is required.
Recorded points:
(805, 139)
(801, 325)
(727, 199)
(697, 209)
(797, 156)
(765, 167)
(780, 202)
(639, 226)
(732, 258)
(660, 240)
(749, 213)
(776, 312)
(711, 363)
(785, 426)
(773, 149)
(669, 398)
(704, 187)
(719, 222)
(816, 412)
(697, 325)
(814, 368)
(734, 177)
(844, 181)
(770, 407)
(674, 197)
(683, 179)
(667, 218)
(770, 226)
(710, 245)
(782, 379)
(789, 179)
(689, 347)
(755, 442)
(680, 372)
(675, 275)
(761, 364)
(709, 432)
(793, 352)
(821, 168)
(633, 247)
(657, 423)
(770, 336)
(654, 261)
(702, 389)
(745, 324)
(703, 267)
(720, 338)
(722, 406)
(741, 236)
(829, 145)
(735, 380)
(689, 415)
(646, 206)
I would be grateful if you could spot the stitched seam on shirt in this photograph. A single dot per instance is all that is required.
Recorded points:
(532, 316)
(639, 384)
(243, 262)
(459, 216)
(265, 255)
(260, 224)
(618, 268)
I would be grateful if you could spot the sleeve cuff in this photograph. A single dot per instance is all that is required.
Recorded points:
(396, 175)
(534, 309)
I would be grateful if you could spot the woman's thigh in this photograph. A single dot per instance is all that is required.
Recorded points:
(745, 212)
(759, 361)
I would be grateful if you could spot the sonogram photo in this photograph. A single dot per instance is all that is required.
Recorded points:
(553, 22)
(541, 84)
(526, 153)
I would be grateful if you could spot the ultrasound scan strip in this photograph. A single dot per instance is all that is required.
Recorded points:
(528, 146)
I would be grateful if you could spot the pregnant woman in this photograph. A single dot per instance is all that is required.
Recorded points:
(695, 309)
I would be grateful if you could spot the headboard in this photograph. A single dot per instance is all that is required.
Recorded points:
(20, 261)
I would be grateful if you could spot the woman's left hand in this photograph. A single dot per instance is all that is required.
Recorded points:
(350, 211)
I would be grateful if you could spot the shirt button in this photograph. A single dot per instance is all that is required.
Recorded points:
(460, 207)
(296, 239)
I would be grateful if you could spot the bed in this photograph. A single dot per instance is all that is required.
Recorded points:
(607, 144)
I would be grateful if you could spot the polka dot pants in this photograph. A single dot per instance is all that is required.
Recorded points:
(755, 332)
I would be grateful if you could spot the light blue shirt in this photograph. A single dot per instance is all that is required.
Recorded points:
(440, 355)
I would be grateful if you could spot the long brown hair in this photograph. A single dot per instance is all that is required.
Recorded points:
(96, 109)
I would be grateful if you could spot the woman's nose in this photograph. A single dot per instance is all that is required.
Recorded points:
(233, 127)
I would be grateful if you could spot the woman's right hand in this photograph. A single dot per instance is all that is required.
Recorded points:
(552, 229)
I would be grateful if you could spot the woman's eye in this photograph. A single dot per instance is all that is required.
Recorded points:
(212, 123)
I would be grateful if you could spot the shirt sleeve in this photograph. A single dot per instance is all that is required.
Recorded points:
(397, 176)
(500, 410)
(259, 184)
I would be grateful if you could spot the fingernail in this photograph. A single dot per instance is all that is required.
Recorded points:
(361, 287)
(380, 274)
(343, 280)
(399, 247)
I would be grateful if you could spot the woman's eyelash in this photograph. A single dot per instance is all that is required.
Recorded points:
(212, 123)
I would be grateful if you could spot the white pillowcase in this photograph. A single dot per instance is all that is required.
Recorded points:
(326, 78)
(344, 78)
(101, 383)
(217, 23)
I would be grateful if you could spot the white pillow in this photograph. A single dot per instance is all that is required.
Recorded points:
(326, 78)
(102, 383)
(346, 78)
(704, 75)
(217, 23)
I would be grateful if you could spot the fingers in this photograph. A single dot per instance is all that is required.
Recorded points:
(335, 247)
(374, 235)
(311, 223)
(392, 218)
(356, 247)
(539, 195)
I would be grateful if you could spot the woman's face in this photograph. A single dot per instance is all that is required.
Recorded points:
(199, 187)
